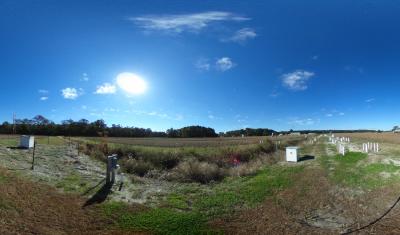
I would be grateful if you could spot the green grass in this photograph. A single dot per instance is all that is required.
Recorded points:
(246, 191)
(351, 170)
(9, 142)
(13, 141)
(3, 179)
(6, 204)
(73, 183)
(177, 201)
(188, 210)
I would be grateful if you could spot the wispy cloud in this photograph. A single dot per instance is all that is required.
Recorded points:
(177, 117)
(302, 122)
(44, 98)
(370, 100)
(106, 88)
(43, 91)
(225, 63)
(242, 35)
(202, 64)
(329, 115)
(184, 22)
(297, 80)
(315, 57)
(71, 93)
(85, 77)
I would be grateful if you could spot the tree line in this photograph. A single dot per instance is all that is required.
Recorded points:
(39, 125)
(249, 132)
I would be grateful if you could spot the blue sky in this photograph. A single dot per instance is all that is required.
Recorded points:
(224, 64)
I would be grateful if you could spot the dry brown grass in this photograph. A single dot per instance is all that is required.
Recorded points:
(387, 137)
(193, 142)
(34, 208)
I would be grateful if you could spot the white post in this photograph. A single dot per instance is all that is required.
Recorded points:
(377, 147)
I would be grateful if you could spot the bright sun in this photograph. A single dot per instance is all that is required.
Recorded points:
(131, 83)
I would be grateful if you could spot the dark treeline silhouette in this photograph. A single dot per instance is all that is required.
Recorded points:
(192, 131)
(249, 132)
(40, 125)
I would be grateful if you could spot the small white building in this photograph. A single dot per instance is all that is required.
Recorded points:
(27, 141)
(292, 154)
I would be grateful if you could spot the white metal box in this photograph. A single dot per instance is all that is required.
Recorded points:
(292, 154)
(27, 141)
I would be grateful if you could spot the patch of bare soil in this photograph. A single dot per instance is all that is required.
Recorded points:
(314, 206)
(35, 208)
(302, 209)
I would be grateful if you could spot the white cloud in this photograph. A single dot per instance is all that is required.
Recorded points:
(243, 35)
(85, 77)
(106, 88)
(202, 64)
(42, 91)
(84, 107)
(302, 122)
(225, 63)
(315, 57)
(329, 115)
(370, 100)
(44, 98)
(341, 114)
(297, 80)
(210, 116)
(184, 22)
(71, 93)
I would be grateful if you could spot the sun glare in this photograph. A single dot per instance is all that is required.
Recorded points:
(131, 83)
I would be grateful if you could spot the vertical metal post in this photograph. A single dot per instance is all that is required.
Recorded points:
(33, 155)
(108, 173)
(111, 169)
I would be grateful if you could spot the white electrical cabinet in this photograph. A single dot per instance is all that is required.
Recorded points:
(292, 154)
(27, 141)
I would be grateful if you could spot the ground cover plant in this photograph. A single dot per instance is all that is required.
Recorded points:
(353, 171)
(189, 164)
(187, 211)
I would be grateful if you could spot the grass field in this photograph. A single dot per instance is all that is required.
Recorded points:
(194, 188)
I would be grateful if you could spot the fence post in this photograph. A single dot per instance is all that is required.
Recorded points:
(111, 169)
(33, 156)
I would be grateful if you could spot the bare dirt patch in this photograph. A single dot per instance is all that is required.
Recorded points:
(35, 208)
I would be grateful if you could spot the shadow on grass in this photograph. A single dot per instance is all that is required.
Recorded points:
(90, 189)
(306, 157)
(18, 147)
(100, 196)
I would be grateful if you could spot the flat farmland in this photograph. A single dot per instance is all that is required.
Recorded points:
(387, 137)
(190, 142)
